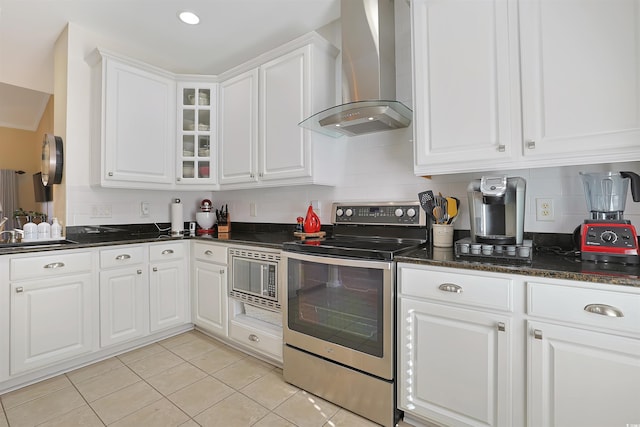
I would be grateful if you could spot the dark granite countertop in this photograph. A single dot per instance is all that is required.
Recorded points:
(560, 265)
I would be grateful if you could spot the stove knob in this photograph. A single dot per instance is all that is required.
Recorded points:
(399, 212)
(349, 212)
(411, 212)
(339, 212)
(609, 237)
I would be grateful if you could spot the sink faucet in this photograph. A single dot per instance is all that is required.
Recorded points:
(3, 220)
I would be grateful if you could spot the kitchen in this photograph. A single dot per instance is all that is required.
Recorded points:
(380, 166)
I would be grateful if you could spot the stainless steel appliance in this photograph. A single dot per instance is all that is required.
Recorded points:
(254, 277)
(607, 236)
(496, 210)
(340, 306)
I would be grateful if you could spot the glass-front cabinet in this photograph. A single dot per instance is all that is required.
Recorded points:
(196, 133)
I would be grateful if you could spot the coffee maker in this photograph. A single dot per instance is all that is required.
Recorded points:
(496, 210)
(606, 236)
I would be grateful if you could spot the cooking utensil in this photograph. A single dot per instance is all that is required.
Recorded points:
(438, 214)
(427, 202)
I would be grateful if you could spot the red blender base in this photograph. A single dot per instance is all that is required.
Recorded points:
(609, 241)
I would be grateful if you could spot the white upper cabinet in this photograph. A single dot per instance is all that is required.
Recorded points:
(503, 84)
(134, 122)
(261, 104)
(463, 95)
(580, 80)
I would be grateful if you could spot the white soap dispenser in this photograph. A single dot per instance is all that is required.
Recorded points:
(30, 231)
(56, 229)
(44, 230)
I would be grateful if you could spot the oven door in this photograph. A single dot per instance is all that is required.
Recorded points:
(342, 310)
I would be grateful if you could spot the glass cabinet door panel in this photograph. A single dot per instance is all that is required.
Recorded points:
(204, 97)
(188, 169)
(188, 120)
(203, 169)
(188, 145)
(204, 146)
(189, 97)
(204, 120)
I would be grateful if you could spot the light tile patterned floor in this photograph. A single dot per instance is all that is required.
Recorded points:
(187, 380)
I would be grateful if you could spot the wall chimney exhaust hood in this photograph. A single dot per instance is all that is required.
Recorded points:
(368, 74)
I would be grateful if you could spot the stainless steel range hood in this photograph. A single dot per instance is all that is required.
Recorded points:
(368, 74)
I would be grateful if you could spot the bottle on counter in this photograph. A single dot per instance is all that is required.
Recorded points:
(44, 230)
(30, 231)
(56, 229)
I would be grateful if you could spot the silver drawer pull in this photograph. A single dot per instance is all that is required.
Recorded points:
(155, 268)
(603, 310)
(254, 338)
(167, 252)
(54, 265)
(208, 252)
(19, 290)
(501, 327)
(123, 257)
(531, 144)
(450, 287)
(537, 334)
(221, 271)
(139, 271)
(502, 148)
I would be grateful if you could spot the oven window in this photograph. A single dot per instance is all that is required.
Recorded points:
(339, 304)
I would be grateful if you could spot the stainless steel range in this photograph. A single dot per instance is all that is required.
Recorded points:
(340, 307)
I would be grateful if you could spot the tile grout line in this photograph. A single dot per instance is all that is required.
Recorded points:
(85, 399)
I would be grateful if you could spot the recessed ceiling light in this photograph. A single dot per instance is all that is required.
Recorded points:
(188, 17)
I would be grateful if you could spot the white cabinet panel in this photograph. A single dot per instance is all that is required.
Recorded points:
(167, 295)
(210, 297)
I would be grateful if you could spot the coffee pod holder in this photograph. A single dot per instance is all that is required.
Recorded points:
(466, 248)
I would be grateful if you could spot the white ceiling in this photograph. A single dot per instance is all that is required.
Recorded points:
(230, 32)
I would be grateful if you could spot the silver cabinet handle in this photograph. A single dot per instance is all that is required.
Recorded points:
(221, 271)
(208, 252)
(155, 268)
(254, 338)
(110, 174)
(537, 334)
(167, 252)
(123, 257)
(501, 327)
(603, 310)
(139, 271)
(502, 148)
(19, 290)
(450, 287)
(54, 265)
(531, 144)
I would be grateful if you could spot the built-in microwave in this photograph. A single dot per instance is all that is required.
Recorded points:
(254, 277)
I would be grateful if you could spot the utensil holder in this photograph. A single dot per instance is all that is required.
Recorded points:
(442, 235)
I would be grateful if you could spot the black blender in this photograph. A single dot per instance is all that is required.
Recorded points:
(607, 236)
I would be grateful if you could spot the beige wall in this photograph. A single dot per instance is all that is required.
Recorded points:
(21, 150)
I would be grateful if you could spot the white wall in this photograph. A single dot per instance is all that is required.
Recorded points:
(379, 167)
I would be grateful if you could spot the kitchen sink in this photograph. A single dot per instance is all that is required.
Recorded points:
(35, 244)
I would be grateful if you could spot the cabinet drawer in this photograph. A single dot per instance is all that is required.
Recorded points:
(476, 290)
(613, 310)
(121, 256)
(211, 253)
(56, 264)
(166, 251)
(260, 340)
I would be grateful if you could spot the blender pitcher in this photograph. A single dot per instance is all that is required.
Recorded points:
(606, 193)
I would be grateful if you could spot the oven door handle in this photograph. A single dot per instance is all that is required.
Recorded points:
(331, 260)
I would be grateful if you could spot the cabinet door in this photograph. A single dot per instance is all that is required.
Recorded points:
(124, 305)
(210, 297)
(580, 88)
(50, 321)
(196, 125)
(167, 295)
(238, 128)
(581, 378)
(284, 97)
(139, 126)
(465, 85)
(455, 364)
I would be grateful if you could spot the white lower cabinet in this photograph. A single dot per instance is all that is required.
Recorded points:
(583, 356)
(51, 306)
(455, 359)
(209, 287)
(168, 290)
(124, 295)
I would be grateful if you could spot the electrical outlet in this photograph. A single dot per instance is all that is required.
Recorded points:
(253, 209)
(144, 209)
(101, 211)
(544, 210)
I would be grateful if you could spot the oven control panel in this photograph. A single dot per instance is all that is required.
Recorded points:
(391, 213)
